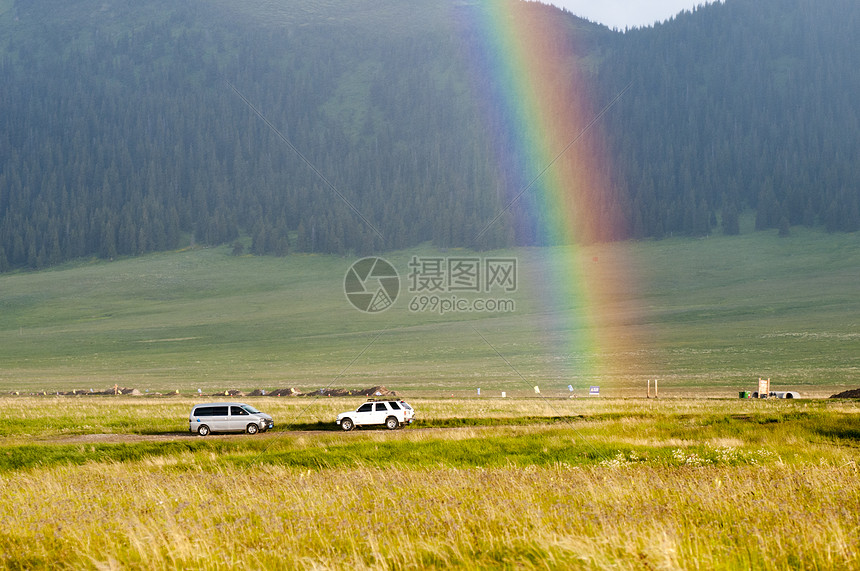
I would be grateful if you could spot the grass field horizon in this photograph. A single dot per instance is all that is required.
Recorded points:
(711, 316)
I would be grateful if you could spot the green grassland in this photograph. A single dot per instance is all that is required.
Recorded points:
(106, 482)
(709, 315)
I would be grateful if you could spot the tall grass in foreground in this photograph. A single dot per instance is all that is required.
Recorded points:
(164, 514)
(591, 484)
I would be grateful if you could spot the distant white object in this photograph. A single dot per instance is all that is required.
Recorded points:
(570, 388)
(537, 390)
(479, 391)
(504, 394)
(594, 392)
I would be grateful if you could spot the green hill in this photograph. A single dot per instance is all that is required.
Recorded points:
(713, 315)
(167, 136)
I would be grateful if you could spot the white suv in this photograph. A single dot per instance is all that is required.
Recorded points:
(391, 413)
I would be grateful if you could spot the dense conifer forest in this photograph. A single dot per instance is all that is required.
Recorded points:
(130, 127)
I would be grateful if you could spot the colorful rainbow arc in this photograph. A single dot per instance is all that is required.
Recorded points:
(526, 65)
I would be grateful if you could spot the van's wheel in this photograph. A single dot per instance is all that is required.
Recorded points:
(252, 428)
(347, 424)
(203, 430)
(391, 423)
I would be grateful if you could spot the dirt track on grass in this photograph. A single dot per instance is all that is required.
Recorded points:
(166, 437)
(117, 438)
(188, 437)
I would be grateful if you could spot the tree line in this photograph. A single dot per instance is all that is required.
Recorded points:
(136, 128)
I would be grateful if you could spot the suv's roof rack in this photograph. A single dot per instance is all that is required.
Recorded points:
(383, 399)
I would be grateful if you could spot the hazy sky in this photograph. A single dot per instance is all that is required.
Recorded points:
(626, 13)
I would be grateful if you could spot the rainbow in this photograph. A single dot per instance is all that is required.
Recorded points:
(552, 159)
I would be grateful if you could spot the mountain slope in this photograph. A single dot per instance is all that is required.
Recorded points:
(126, 127)
(742, 104)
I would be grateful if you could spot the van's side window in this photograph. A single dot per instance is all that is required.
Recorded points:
(219, 411)
(393, 405)
(204, 411)
(238, 411)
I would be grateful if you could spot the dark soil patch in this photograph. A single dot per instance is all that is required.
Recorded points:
(850, 394)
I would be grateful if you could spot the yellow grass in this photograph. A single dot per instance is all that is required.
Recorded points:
(155, 516)
(770, 492)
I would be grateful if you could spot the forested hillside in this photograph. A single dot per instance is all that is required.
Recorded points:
(747, 104)
(126, 127)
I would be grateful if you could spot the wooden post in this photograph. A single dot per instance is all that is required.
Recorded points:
(655, 389)
(763, 388)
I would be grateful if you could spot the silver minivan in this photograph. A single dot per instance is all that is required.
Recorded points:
(228, 417)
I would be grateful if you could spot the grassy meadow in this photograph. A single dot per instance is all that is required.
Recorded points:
(496, 483)
(694, 479)
(707, 316)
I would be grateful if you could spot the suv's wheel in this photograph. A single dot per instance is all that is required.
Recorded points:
(347, 424)
(391, 423)
(203, 430)
(252, 428)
